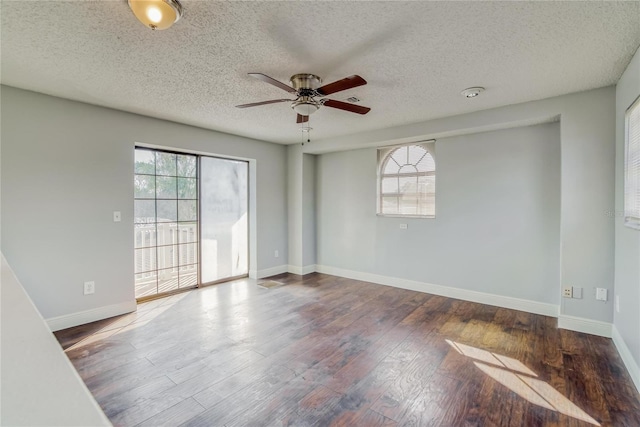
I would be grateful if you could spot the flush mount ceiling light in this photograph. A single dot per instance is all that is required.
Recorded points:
(156, 14)
(305, 105)
(472, 92)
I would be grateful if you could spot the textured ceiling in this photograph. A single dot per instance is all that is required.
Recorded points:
(416, 56)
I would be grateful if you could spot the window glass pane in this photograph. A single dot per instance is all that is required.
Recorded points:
(167, 280)
(187, 188)
(146, 284)
(145, 260)
(390, 185)
(187, 232)
(188, 276)
(145, 186)
(408, 185)
(408, 206)
(408, 169)
(391, 167)
(166, 187)
(632, 167)
(144, 211)
(389, 205)
(187, 210)
(400, 155)
(167, 256)
(167, 210)
(188, 254)
(144, 162)
(165, 164)
(167, 233)
(426, 164)
(186, 166)
(145, 235)
(415, 154)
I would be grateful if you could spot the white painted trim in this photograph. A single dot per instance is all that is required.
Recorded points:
(272, 271)
(587, 326)
(307, 269)
(88, 316)
(529, 306)
(626, 356)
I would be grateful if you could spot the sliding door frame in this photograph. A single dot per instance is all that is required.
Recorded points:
(199, 156)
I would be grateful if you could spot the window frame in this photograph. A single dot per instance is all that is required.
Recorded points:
(631, 220)
(383, 154)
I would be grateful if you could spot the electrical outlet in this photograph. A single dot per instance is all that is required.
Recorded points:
(567, 292)
(276, 253)
(89, 288)
(403, 226)
(601, 294)
(117, 216)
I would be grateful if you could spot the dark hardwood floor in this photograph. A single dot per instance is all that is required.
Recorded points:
(327, 351)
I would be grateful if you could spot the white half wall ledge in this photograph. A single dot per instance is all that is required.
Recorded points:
(272, 271)
(627, 358)
(587, 326)
(88, 316)
(528, 306)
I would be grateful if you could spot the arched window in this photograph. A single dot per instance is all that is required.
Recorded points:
(407, 180)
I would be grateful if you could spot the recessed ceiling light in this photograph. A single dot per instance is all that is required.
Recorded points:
(472, 92)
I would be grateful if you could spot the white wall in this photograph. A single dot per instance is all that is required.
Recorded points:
(66, 166)
(301, 200)
(587, 129)
(627, 240)
(40, 385)
(308, 212)
(294, 199)
(497, 225)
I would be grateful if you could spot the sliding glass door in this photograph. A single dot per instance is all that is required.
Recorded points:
(190, 221)
(166, 222)
(224, 219)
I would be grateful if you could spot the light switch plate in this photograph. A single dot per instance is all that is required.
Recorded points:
(577, 292)
(117, 217)
(601, 294)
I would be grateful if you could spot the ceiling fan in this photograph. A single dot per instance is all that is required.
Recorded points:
(306, 88)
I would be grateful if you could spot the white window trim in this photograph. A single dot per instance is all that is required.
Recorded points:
(428, 145)
(631, 220)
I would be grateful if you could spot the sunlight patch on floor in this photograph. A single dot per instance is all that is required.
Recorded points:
(518, 378)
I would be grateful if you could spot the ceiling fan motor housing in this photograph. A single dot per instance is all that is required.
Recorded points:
(305, 81)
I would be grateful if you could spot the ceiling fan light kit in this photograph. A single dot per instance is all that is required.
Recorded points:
(156, 14)
(307, 87)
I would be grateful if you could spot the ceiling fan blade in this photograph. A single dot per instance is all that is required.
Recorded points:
(346, 106)
(302, 119)
(255, 104)
(272, 81)
(344, 84)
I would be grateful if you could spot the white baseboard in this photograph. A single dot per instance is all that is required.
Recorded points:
(88, 316)
(272, 271)
(587, 326)
(307, 269)
(626, 356)
(535, 307)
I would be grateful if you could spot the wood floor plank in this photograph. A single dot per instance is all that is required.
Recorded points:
(324, 350)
